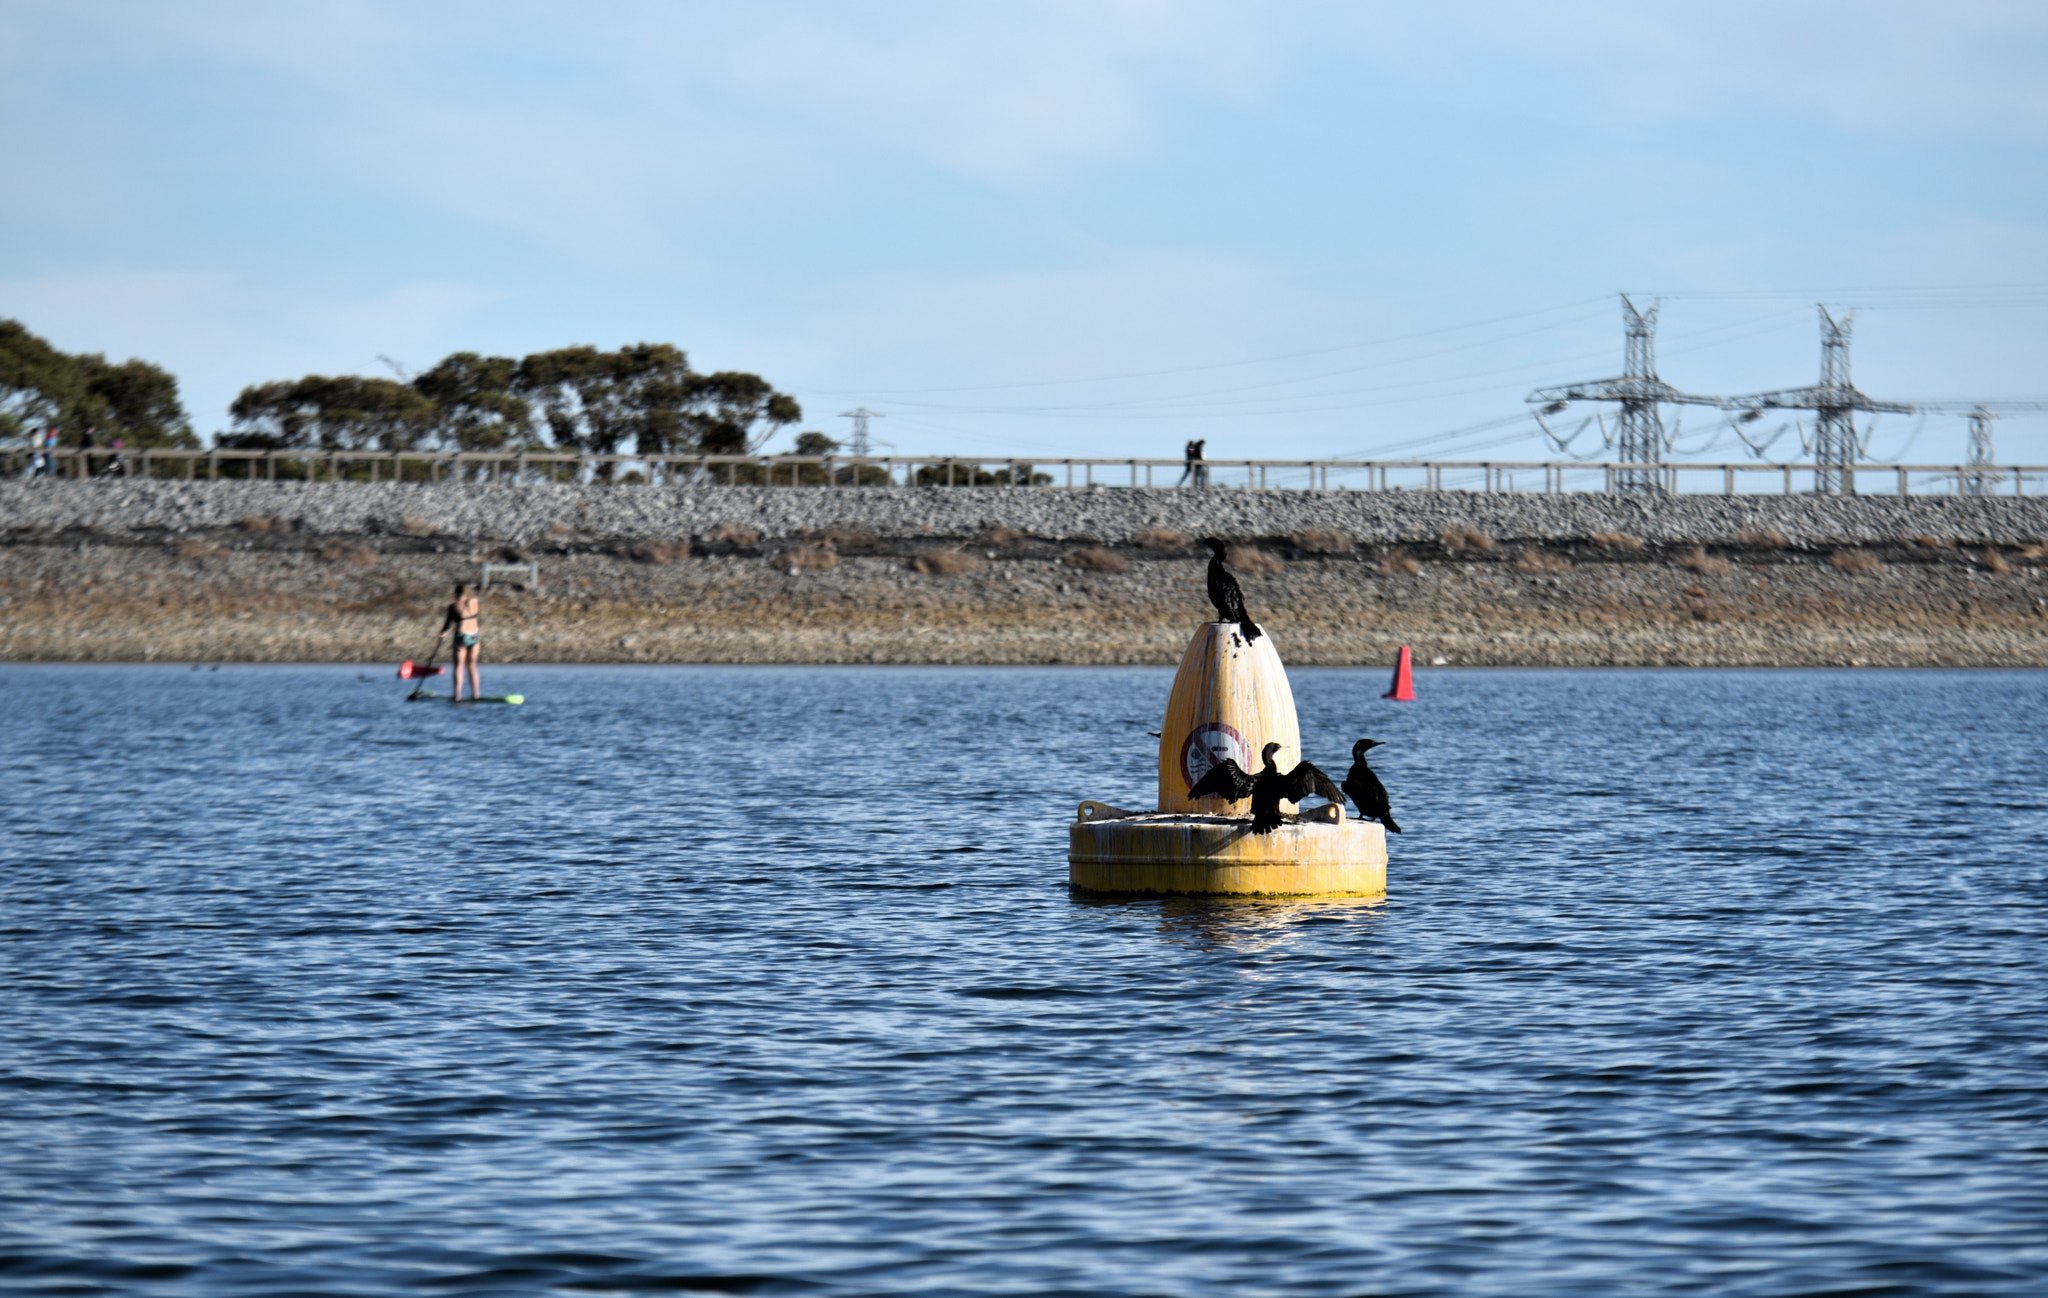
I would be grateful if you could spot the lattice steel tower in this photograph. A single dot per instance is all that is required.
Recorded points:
(1639, 440)
(860, 416)
(1977, 481)
(1640, 437)
(1835, 445)
(1834, 402)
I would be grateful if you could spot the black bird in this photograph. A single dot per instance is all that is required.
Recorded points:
(1365, 787)
(1225, 594)
(1268, 789)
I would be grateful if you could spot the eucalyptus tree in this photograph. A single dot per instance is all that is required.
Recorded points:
(346, 412)
(44, 387)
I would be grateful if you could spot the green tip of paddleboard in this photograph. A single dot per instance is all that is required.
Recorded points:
(515, 698)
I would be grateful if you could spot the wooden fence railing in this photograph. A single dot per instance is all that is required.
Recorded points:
(836, 471)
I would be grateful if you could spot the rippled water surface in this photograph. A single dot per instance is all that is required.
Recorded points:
(768, 981)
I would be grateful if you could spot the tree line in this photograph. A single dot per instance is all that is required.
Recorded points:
(42, 388)
(643, 399)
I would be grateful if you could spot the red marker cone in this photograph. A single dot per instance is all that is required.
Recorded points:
(1403, 690)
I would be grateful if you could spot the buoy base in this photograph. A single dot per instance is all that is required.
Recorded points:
(1321, 854)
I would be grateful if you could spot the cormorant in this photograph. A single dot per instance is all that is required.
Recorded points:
(1365, 787)
(1268, 789)
(1225, 594)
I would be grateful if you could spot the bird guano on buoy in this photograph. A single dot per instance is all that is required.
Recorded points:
(1227, 822)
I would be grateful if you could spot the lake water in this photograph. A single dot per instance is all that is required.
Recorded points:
(768, 981)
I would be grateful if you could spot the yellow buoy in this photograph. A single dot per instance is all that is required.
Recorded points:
(1229, 699)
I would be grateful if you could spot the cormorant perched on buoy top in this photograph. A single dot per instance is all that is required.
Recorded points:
(1225, 594)
(1365, 787)
(1268, 789)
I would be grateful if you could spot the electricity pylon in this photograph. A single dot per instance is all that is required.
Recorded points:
(860, 416)
(1639, 439)
(1834, 402)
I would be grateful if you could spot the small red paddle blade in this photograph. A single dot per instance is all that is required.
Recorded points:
(405, 670)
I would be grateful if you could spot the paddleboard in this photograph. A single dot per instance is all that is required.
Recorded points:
(488, 698)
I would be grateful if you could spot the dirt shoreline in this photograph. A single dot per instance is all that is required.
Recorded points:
(279, 594)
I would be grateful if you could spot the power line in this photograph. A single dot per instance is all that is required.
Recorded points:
(1224, 365)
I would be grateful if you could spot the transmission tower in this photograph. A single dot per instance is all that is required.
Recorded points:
(860, 416)
(1639, 439)
(1977, 480)
(1834, 402)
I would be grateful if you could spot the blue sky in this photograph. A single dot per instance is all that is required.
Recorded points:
(1097, 228)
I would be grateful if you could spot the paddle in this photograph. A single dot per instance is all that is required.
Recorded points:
(409, 671)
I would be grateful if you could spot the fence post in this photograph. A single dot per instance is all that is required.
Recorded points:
(1788, 479)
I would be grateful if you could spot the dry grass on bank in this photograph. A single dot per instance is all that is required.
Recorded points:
(361, 556)
(1856, 563)
(728, 534)
(805, 558)
(999, 536)
(1398, 564)
(1251, 559)
(1465, 540)
(846, 538)
(1768, 539)
(201, 550)
(1320, 540)
(1537, 562)
(1093, 559)
(414, 525)
(946, 563)
(1701, 562)
(659, 552)
(1617, 541)
(1994, 561)
(1162, 538)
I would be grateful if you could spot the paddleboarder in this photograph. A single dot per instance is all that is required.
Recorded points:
(461, 620)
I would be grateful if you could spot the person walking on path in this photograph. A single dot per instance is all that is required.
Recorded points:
(461, 619)
(38, 463)
(1195, 468)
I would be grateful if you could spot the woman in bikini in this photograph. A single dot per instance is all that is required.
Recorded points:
(461, 619)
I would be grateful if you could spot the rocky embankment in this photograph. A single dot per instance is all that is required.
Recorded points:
(258, 571)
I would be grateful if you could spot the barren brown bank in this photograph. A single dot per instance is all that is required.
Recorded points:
(271, 589)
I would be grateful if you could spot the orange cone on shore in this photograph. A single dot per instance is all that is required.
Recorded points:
(1403, 690)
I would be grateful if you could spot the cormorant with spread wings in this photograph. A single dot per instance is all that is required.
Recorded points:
(1267, 790)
